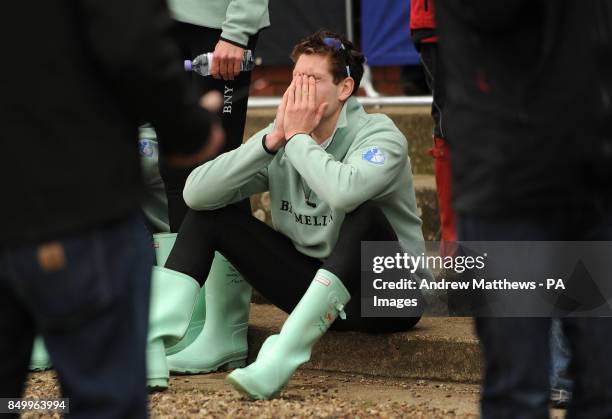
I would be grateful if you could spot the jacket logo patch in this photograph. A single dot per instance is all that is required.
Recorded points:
(374, 155)
(145, 148)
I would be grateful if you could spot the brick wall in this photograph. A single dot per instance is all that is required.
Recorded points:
(273, 80)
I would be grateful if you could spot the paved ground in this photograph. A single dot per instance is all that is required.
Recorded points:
(310, 394)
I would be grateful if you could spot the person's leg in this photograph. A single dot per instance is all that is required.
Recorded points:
(39, 361)
(327, 297)
(366, 223)
(264, 257)
(281, 354)
(591, 346)
(560, 383)
(440, 150)
(195, 40)
(515, 351)
(590, 338)
(222, 341)
(17, 334)
(89, 294)
(516, 360)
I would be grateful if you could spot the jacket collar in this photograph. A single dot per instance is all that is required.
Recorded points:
(346, 129)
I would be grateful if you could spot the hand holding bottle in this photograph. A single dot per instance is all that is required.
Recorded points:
(227, 60)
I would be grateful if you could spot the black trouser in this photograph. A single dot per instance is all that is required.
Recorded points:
(194, 40)
(435, 80)
(516, 351)
(91, 307)
(271, 264)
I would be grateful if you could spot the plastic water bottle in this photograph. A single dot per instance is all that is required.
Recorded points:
(202, 64)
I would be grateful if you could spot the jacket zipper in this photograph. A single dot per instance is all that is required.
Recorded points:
(426, 5)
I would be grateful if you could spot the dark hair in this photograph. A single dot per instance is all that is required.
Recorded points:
(341, 54)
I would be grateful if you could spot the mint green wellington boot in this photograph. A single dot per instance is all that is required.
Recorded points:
(39, 360)
(282, 354)
(222, 344)
(196, 324)
(173, 298)
(163, 243)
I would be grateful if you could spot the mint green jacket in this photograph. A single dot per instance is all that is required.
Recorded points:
(237, 19)
(367, 160)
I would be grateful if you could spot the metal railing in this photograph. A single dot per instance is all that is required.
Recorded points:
(258, 102)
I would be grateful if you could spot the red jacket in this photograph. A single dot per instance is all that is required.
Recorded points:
(422, 14)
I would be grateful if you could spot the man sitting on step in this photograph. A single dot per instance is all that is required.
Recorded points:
(337, 176)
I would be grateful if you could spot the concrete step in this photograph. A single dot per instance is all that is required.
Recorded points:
(438, 348)
(427, 202)
(414, 121)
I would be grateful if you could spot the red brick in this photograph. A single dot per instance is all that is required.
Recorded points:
(279, 90)
(269, 90)
(392, 74)
(273, 74)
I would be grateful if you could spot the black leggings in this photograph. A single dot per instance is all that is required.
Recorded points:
(271, 264)
(194, 40)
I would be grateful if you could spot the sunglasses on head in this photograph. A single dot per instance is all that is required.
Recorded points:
(337, 45)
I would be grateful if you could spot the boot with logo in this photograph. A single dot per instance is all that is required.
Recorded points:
(282, 354)
(39, 360)
(222, 343)
(163, 243)
(173, 298)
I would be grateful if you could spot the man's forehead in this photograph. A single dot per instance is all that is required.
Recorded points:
(312, 65)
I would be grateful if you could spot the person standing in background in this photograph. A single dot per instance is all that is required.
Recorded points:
(75, 260)
(532, 160)
(227, 28)
(424, 36)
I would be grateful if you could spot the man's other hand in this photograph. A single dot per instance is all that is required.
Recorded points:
(276, 139)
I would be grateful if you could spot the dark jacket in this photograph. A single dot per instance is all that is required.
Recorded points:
(76, 79)
(529, 102)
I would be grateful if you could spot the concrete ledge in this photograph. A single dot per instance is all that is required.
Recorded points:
(438, 348)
